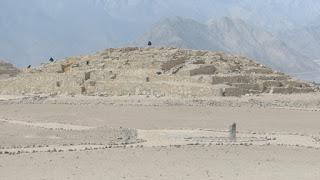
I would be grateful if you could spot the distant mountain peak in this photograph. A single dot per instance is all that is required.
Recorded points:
(230, 35)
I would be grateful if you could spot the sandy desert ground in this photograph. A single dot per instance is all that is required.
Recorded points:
(145, 138)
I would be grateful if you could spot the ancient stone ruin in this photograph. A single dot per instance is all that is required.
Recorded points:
(8, 70)
(155, 72)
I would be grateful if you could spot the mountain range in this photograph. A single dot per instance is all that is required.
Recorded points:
(234, 36)
(306, 39)
(33, 31)
(271, 14)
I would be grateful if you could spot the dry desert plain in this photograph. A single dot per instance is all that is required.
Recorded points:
(157, 113)
(137, 137)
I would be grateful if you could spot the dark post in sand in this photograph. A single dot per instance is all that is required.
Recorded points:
(233, 132)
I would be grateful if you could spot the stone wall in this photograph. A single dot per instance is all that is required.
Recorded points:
(221, 79)
(203, 70)
(166, 66)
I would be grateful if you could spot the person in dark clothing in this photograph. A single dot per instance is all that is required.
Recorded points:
(29, 67)
(149, 43)
(51, 59)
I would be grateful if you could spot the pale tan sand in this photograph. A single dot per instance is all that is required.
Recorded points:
(158, 113)
(168, 138)
(49, 125)
(216, 162)
(167, 117)
(211, 137)
(173, 141)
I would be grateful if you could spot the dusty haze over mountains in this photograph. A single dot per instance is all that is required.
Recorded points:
(234, 36)
(285, 33)
(228, 101)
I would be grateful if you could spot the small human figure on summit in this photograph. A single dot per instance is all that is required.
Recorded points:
(51, 59)
(149, 43)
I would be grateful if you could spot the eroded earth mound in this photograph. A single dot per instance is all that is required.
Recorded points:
(7, 70)
(154, 72)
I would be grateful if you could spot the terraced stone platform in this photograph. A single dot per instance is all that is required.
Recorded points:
(154, 72)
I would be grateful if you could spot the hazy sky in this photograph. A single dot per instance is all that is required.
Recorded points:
(32, 31)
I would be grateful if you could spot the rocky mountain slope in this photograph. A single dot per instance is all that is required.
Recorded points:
(229, 35)
(35, 30)
(7, 70)
(269, 14)
(305, 40)
(154, 72)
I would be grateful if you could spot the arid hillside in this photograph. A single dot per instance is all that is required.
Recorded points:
(154, 72)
